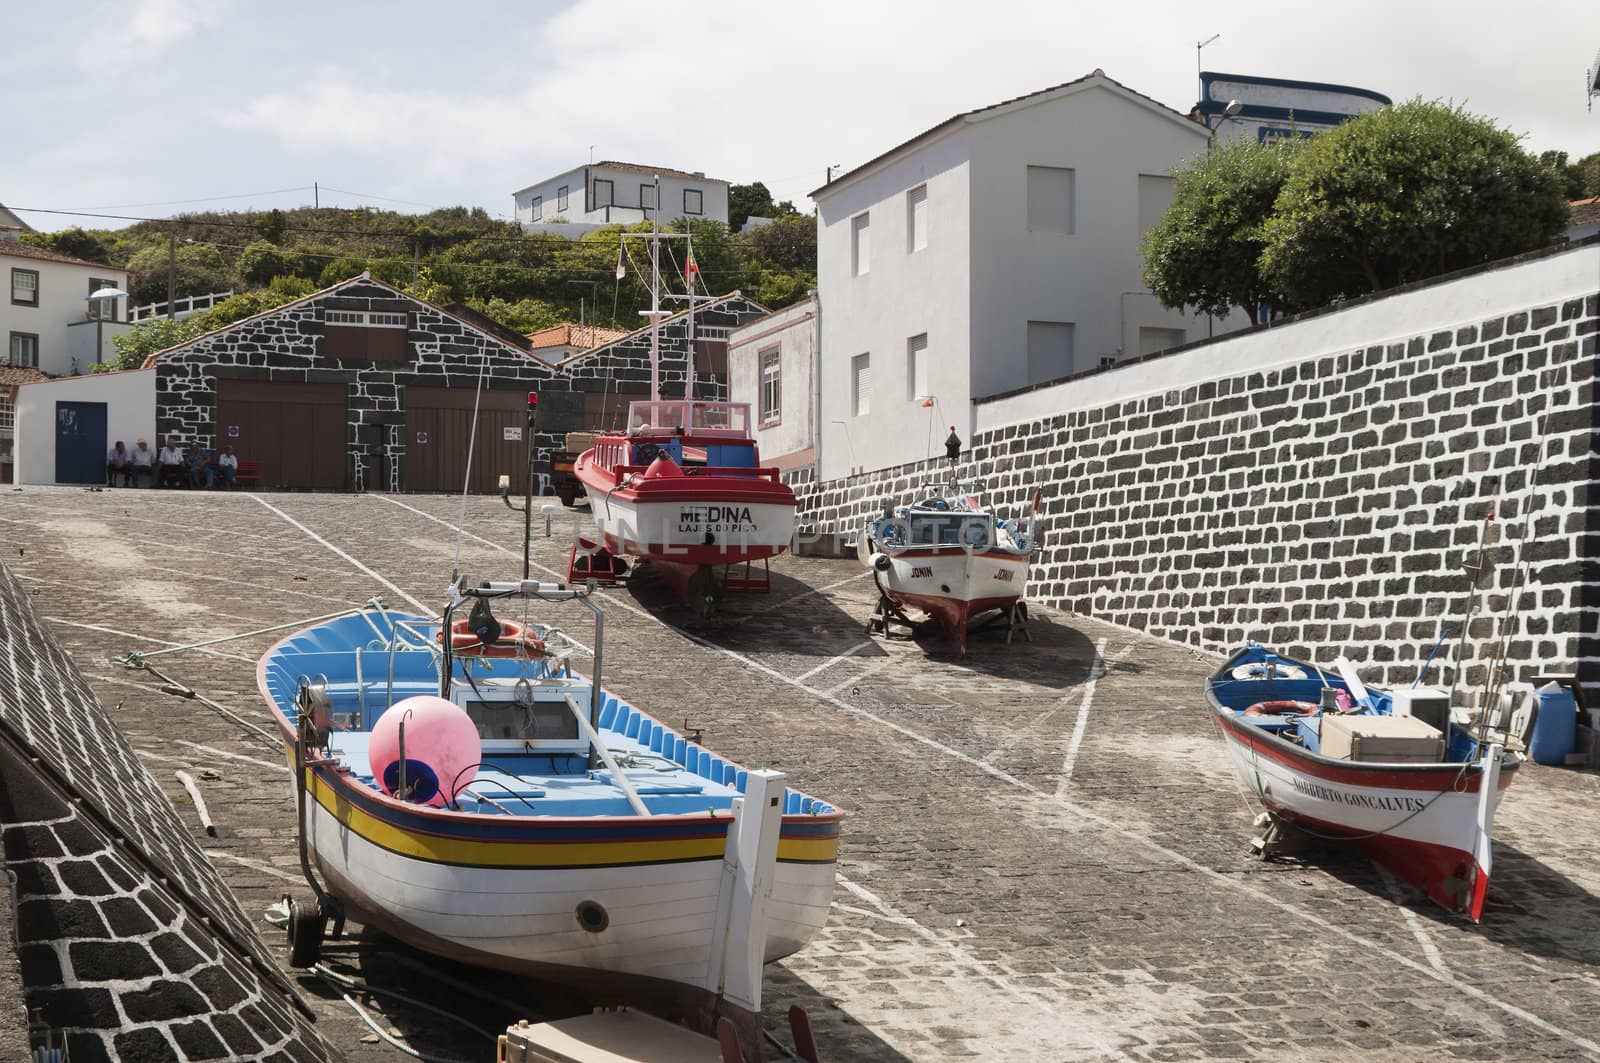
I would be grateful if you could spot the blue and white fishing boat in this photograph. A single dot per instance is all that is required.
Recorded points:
(574, 838)
(1333, 758)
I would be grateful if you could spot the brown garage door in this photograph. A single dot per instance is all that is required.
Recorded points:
(296, 431)
(438, 424)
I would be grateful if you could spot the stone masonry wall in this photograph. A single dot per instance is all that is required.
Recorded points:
(1323, 507)
(129, 944)
(286, 346)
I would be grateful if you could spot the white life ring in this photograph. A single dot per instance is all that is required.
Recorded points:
(1258, 670)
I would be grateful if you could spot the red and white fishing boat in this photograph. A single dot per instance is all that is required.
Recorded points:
(683, 489)
(950, 558)
(1332, 759)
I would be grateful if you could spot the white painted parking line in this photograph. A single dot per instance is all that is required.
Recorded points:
(211, 751)
(1418, 931)
(876, 666)
(418, 604)
(255, 865)
(807, 594)
(830, 662)
(1097, 668)
(146, 638)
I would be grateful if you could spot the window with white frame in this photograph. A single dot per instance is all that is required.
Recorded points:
(24, 350)
(25, 287)
(1050, 200)
(917, 219)
(1049, 350)
(8, 417)
(102, 309)
(860, 244)
(917, 367)
(536, 208)
(771, 407)
(561, 198)
(693, 201)
(860, 385)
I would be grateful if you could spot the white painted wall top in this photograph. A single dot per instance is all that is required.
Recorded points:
(1495, 292)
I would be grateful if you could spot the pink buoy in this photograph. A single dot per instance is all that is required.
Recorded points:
(442, 749)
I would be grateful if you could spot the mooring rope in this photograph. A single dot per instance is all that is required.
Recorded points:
(466, 480)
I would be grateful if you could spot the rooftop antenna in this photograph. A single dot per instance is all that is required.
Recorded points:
(1591, 83)
(1199, 45)
(591, 154)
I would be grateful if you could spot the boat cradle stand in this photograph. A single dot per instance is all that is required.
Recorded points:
(1279, 838)
(587, 560)
(307, 925)
(1014, 618)
(888, 613)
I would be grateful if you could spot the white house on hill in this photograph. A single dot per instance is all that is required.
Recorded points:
(47, 321)
(997, 250)
(608, 193)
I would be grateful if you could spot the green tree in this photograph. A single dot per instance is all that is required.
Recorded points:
(1588, 169)
(753, 199)
(1571, 173)
(1404, 193)
(200, 269)
(260, 262)
(272, 225)
(75, 242)
(1205, 250)
(789, 243)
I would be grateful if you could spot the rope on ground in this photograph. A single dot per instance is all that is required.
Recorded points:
(328, 974)
(135, 658)
(178, 689)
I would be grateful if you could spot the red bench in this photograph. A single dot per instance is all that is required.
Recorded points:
(249, 474)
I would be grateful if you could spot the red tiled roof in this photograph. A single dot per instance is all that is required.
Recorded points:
(1583, 211)
(12, 375)
(664, 171)
(583, 337)
(21, 250)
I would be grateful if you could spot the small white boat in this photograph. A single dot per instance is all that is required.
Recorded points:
(950, 558)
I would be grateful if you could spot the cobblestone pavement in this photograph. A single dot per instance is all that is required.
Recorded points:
(1045, 857)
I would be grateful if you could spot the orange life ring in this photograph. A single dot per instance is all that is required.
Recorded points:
(1282, 708)
(513, 641)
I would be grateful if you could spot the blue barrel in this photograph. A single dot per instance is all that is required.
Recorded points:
(1555, 729)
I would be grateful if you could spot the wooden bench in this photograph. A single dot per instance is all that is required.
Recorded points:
(249, 474)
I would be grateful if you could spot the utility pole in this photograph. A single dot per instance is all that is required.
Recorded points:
(416, 259)
(316, 195)
(172, 275)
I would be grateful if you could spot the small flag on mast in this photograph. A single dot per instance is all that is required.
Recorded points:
(622, 270)
(691, 271)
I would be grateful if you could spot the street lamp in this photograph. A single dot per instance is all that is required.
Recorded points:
(96, 297)
(1233, 108)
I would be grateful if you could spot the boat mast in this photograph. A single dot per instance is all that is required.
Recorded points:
(655, 295)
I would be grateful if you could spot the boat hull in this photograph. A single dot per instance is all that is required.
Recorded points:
(951, 585)
(716, 524)
(659, 915)
(1424, 822)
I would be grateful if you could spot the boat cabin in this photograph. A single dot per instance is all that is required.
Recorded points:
(695, 435)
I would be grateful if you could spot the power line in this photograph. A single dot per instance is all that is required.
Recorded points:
(200, 199)
(386, 199)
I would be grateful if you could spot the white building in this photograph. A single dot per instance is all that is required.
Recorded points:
(610, 193)
(1271, 108)
(47, 321)
(771, 365)
(997, 250)
(1583, 219)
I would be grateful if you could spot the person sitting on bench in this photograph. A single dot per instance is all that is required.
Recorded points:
(143, 462)
(200, 474)
(227, 466)
(172, 465)
(119, 463)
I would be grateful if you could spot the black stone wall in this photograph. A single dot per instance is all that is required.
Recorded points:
(128, 944)
(1323, 507)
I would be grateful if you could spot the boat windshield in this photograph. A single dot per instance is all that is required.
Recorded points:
(728, 419)
(953, 529)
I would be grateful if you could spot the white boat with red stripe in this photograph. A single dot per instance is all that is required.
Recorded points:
(1428, 818)
(683, 488)
(949, 557)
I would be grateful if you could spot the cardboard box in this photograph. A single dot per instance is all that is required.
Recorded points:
(578, 442)
(1383, 739)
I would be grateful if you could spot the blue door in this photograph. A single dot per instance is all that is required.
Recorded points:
(80, 442)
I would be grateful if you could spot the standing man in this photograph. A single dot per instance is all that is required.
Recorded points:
(143, 462)
(172, 464)
(119, 463)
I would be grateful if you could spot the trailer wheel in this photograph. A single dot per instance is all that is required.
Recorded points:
(568, 496)
(306, 928)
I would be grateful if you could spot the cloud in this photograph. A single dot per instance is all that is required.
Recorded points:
(148, 28)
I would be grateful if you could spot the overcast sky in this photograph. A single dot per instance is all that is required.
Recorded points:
(152, 101)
